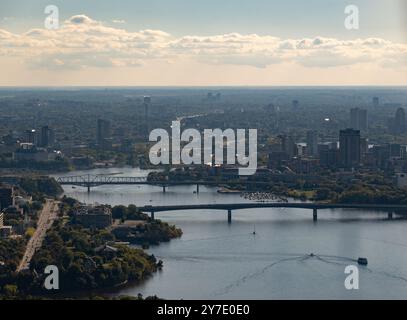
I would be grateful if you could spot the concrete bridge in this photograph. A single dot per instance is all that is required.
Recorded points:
(89, 181)
(229, 207)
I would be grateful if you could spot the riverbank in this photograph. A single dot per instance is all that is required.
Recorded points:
(227, 261)
(92, 260)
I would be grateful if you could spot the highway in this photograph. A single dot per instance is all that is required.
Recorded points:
(46, 219)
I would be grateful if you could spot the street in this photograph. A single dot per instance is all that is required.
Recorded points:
(45, 221)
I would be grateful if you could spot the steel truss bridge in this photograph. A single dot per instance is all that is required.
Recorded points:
(88, 181)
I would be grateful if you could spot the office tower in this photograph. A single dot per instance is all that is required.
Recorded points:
(349, 148)
(30, 136)
(103, 132)
(51, 137)
(358, 119)
(312, 143)
(46, 137)
(375, 101)
(6, 196)
(147, 104)
(289, 146)
(364, 146)
(400, 121)
(363, 122)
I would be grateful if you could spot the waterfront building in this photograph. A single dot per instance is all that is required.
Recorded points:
(349, 148)
(29, 152)
(97, 216)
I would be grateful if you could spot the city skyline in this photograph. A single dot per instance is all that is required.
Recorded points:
(230, 45)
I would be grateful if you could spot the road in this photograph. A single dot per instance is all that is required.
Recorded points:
(47, 217)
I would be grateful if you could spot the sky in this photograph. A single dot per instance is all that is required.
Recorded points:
(202, 43)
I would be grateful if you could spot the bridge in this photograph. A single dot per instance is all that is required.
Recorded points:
(89, 181)
(388, 208)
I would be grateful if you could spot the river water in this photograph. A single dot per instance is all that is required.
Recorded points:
(214, 260)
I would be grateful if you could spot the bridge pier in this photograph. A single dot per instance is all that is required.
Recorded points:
(315, 214)
(88, 189)
(164, 189)
(152, 215)
(197, 188)
(229, 216)
(390, 215)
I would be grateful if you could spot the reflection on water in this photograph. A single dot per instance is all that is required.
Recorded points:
(214, 260)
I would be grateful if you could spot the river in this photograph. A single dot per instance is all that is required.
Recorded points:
(214, 260)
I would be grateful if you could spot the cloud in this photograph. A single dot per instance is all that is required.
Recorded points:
(80, 19)
(118, 21)
(82, 42)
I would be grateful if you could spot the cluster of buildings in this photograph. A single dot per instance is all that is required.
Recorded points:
(350, 152)
(93, 216)
(10, 208)
(32, 145)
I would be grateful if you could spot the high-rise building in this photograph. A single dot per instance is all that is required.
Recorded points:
(289, 146)
(46, 137)
(6, 196)
(376, 101)
(30, 136)
(358, 119)
(400, 121)
(147, 104)
(363, 122)
(312, 143)
(349, 148)
(103, 132)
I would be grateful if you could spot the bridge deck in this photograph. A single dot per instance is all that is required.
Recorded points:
(237, 206)
(97, 180)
